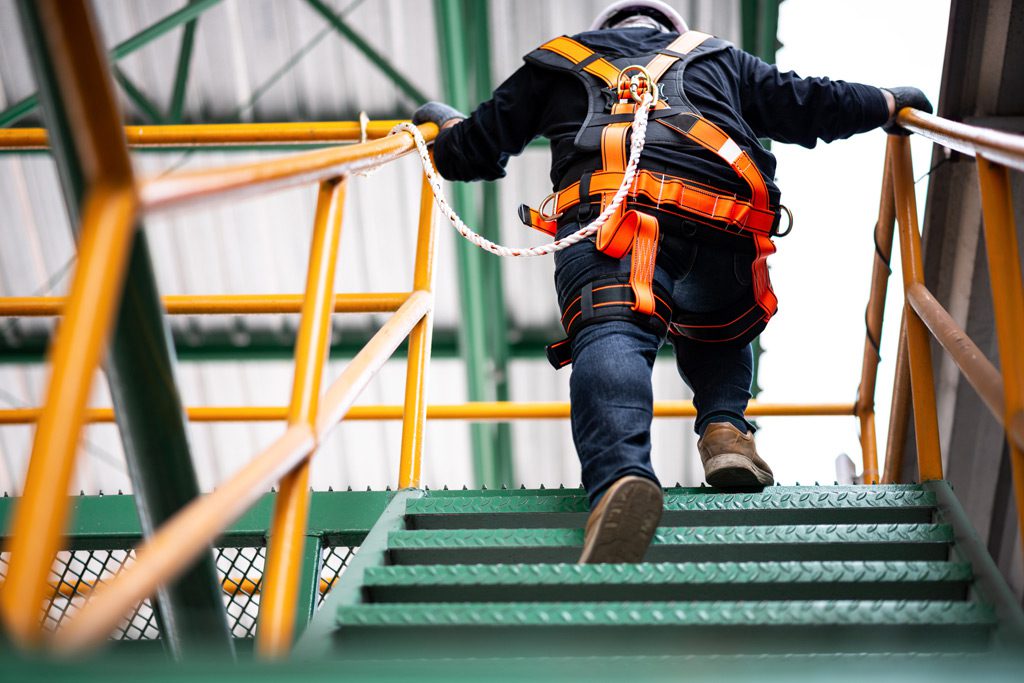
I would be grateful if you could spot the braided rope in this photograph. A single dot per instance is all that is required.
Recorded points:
(636, 147)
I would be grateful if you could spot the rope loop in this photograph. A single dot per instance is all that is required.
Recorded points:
(639, 129)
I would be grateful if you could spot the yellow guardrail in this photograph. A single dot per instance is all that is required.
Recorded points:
(116, 200)
(923, 317)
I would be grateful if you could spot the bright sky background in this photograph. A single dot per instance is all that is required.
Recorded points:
(821, 272)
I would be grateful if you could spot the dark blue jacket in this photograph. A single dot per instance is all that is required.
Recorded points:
(745, 96)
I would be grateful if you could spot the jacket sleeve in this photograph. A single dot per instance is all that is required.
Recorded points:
(479, 147)
(788, 108)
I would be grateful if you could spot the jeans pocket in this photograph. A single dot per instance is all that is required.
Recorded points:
(742, 265)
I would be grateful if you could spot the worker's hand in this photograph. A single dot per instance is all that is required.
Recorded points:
(437, 112)
(905, 97)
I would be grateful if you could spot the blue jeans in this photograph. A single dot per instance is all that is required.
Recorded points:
(610, 386)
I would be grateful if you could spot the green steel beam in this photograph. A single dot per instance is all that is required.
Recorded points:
(404, 84)
(309, 582)
(139, 99)
(181, 72)
(484, 338)
(477, 15)
(27, 105)
(318, 641)
(529, 345)
(109, 522)
(141, 377)
(759, 21)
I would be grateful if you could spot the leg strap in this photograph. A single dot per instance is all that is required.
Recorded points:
(603, 300)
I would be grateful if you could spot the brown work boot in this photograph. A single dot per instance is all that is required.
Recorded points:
(730, 458)
(622, 524)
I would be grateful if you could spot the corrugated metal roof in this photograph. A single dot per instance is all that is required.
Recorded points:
(266, 60)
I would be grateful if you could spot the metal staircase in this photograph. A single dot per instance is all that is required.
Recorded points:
(790, 570)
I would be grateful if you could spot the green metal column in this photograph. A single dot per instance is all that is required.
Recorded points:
(181, 72)
(146, 399)
(760, 28)
(309, 591)
(26, 106)
(465, 64)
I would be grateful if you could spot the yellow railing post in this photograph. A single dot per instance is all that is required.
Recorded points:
(873, 317)
(107, 229)
(415, 414)
(276, 626)
(1008, 304)
(919, 352)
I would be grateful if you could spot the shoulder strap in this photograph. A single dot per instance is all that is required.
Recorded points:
(584, 58)
(676, 50)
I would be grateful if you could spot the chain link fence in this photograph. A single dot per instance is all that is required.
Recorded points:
(76, 573)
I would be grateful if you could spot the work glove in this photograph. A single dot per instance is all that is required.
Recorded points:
(905, 97)
(436, 112)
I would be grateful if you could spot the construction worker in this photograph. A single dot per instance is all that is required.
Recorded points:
(684, 258)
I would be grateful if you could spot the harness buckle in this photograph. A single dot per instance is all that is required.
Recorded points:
(553, 200)
(633, 86)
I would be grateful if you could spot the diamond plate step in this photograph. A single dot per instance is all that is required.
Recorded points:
(684, 507)
(823, 542)
(670, 581)
(669, 628)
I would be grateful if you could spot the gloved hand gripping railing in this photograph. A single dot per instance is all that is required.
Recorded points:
(636, 148)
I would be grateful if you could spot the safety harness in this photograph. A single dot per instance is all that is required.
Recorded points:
(616, 88)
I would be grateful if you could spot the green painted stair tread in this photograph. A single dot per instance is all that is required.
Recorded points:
(720, 613)
(696, 544)
(666, 573)
(773, 498)
(684, 507)
(669, 581)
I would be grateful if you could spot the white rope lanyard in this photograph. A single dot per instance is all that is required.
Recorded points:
(636, 147)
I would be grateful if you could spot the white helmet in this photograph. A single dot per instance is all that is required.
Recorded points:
(623, 9)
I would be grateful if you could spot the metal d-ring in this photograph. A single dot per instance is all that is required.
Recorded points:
(789, 222)
(553, 197)
(633, 84)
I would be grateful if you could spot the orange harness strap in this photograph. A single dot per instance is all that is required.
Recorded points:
(628, 230)
(577, 53)
(632, 230)
(665, 191)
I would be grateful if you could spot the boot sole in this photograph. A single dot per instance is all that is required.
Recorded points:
(627, 524)
(734, 471)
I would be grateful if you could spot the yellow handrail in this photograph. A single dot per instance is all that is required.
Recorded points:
(105, 238)
(996, 153)
(110, 213)
(476, 411)
(276, 624)
(177, 189)
(180, 540)
(205, 135)
(219, 304)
